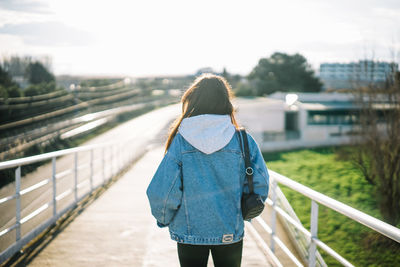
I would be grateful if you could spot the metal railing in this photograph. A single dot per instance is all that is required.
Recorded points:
(38, 104)
(312, 258)
(32, 98)
(299, 240)
(20, 142)
(127, 92)
(112, 86)
(109, 158)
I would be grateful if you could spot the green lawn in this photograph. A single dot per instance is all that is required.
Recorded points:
(322, 170)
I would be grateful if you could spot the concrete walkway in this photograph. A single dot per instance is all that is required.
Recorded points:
(118, 230)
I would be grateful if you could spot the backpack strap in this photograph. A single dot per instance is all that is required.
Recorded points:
(247, 163)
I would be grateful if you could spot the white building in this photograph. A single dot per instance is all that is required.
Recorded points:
(355, 74)
(315, 119)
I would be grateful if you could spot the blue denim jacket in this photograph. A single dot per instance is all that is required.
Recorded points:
(198, 195)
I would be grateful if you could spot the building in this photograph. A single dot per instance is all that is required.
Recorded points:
(308, 120)
(355, 74)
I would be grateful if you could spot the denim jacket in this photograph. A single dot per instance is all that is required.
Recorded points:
(197, 188)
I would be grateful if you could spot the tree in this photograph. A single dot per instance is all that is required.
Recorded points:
(16, 65)
(377, 153)
(8, 88)
(37, 73)
(285, 73)
(5, 78)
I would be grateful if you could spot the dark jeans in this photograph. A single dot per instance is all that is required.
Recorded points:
(223, 255)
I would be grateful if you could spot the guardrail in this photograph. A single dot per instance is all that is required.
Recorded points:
(95, 94)
(32, 98)
(105, 161)
(106, 87)
(128, 94)
(20, 142)
(313, 258)
(40, 103)
(49, 96)
(43, 116)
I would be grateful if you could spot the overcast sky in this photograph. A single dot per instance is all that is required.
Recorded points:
(159, 37)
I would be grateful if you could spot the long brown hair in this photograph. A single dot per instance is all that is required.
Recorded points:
(208, 94)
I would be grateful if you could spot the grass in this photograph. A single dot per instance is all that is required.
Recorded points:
(324, 171)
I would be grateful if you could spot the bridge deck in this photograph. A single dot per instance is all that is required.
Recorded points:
(118, 230)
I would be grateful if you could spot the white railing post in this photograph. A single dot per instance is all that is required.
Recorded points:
(76, 177)
(103, 163)
(313, 230)
(273, 215)
(53, 178)
(18, 202)
(91, 170)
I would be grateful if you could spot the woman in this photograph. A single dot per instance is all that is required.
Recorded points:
(197, 188)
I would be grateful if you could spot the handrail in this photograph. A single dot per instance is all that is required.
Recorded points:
(114, 157)
(367, 220)
(32, 98)
(37, 103)
(293, 225)
(95, 94)
(270, 254)
(48, 96)
(32, 159)
(363, 218)
(105, 87)
(311, 256)
(310, 238)
(279, 242)
(48, 101)
(41, 135)
(43, 116)
(68, 109)
(58, 92)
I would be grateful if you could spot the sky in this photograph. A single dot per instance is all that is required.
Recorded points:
(174, 37)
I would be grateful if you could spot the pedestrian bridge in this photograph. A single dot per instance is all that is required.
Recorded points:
(87, 206)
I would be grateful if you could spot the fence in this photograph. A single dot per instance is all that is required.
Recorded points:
(20, 142)
(308, 240)
(58, 112)
(11, 100)
(38, 104)
(47, 106)
(98, 164)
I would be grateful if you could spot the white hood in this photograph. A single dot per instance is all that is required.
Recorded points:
(208, 133)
